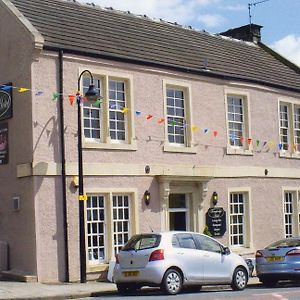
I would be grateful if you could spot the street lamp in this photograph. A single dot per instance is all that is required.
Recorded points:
(91, 95)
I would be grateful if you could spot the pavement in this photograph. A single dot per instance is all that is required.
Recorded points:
(38, 291)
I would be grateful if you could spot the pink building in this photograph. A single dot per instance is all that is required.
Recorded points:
(184, 115)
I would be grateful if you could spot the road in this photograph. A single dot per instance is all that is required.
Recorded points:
(281, 292)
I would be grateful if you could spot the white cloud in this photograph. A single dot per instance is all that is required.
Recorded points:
(289, 47)
(181, 11)
(237, 7)
(211, 20)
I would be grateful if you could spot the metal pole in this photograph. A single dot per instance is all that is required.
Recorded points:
(81, 193)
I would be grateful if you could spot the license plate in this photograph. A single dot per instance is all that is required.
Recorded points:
(131, 273)
(274, 258)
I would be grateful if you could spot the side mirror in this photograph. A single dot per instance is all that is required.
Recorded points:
(226, 251)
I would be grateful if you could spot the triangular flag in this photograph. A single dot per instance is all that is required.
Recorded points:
(138, 113)
(205, 130)
(172, 122)
(22, 90)
(249, 141)
(55, 96)
(242, 139)
(124, 110)
(161, 121)
(5, 87)
(194, 128)
(264, 144)
(149, 117)
(39, 93)
(215, 133)
(97, 103)
(257, 143)
(280, 146)
(71, 99)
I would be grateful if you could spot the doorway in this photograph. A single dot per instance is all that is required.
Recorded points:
(179, 212)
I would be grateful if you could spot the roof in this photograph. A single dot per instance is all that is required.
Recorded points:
(93, 31)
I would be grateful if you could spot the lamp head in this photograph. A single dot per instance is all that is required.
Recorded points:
(92, 93)
(147, 197)
(215, 198)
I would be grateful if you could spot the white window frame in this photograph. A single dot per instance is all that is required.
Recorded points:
(185, 209)
(245, 148)
(247, 226)
(188, 146)
(133, 225)
(294, 225)
(105, 141)
(293, 133)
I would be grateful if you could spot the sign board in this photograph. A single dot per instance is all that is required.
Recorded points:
(3, 143)
(6, 110)
(216, 221)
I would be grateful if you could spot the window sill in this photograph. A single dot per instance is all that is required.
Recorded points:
(287, 154)
(110, 146)
(97, 268)
(178, 149)
(243, 251)
(239, 151)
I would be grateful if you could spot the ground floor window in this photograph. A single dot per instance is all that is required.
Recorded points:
(239, 227)
(179, 212)
(291, 213)
(110, 221)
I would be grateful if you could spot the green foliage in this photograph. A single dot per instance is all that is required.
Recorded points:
(206, 231)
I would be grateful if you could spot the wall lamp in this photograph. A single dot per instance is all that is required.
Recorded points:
(147, 197)
(91, 95)
(215, 198)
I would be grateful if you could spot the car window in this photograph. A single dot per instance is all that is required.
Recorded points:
(185, 240)
(285, 243)
(143, 241)
(207, 244)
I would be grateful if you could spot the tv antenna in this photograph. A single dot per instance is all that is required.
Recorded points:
(254, 4)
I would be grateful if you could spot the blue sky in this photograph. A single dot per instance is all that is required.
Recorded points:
(280, 18)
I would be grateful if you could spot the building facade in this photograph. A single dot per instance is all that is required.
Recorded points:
(170, 131)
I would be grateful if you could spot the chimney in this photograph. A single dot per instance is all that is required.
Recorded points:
(249, 33)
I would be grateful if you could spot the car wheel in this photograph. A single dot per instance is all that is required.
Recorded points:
(123, 288)
(172, 282)
(239, 279)
(269, 282)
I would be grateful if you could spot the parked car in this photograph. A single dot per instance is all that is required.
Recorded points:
(171, 260)
(279, 261)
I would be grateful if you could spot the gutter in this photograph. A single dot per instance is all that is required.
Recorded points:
(63, 162)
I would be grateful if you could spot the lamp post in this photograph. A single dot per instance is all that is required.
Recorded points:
(91, 95)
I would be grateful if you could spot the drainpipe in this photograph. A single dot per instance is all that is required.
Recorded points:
(63, 163)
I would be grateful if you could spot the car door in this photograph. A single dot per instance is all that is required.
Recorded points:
(216, 264)
(188, 257)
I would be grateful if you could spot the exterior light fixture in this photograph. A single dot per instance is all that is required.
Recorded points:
(215, 198)
(147, 197)
(90, 95)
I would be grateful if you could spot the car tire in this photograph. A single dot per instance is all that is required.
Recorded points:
(239, 279)
(125, 288)
(172, 282)
(269, 283)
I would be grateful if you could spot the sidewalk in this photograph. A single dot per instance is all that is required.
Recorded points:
(33, 290)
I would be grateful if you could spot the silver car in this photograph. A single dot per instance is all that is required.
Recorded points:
(279, 261)
(171, 260)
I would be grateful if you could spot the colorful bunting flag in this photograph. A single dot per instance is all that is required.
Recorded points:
(149, 117)
(5, 87)
(194, 128)
(257, 143)
(249, 141)
(124, 110)
(138, 113)
(161, 121)
(71, 99)
(22, 90)
(55, 96)
(215, 133)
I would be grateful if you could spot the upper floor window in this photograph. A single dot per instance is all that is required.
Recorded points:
(109, 122)
(289, 124)
(238, 122)
(179, 136)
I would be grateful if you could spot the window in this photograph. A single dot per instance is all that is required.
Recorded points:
(289, 124)
(178, 212)
(291, 213)
(185, 240)
(237, 121)
(207, 244)
(109, 123)
(178, 118)
(239, 226)
(110, 221)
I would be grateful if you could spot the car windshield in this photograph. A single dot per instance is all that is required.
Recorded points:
(286, 243)
(142, 241)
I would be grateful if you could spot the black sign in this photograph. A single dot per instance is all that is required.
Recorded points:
(3, 143)
(6, 101)
(216, 221)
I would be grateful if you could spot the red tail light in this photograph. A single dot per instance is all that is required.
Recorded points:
(258, 254)
(117, 259)
(294, 252)
(157, 255)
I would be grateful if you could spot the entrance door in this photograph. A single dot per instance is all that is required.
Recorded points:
(178, 212)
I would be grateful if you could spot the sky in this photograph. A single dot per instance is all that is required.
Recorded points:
(280, 18)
